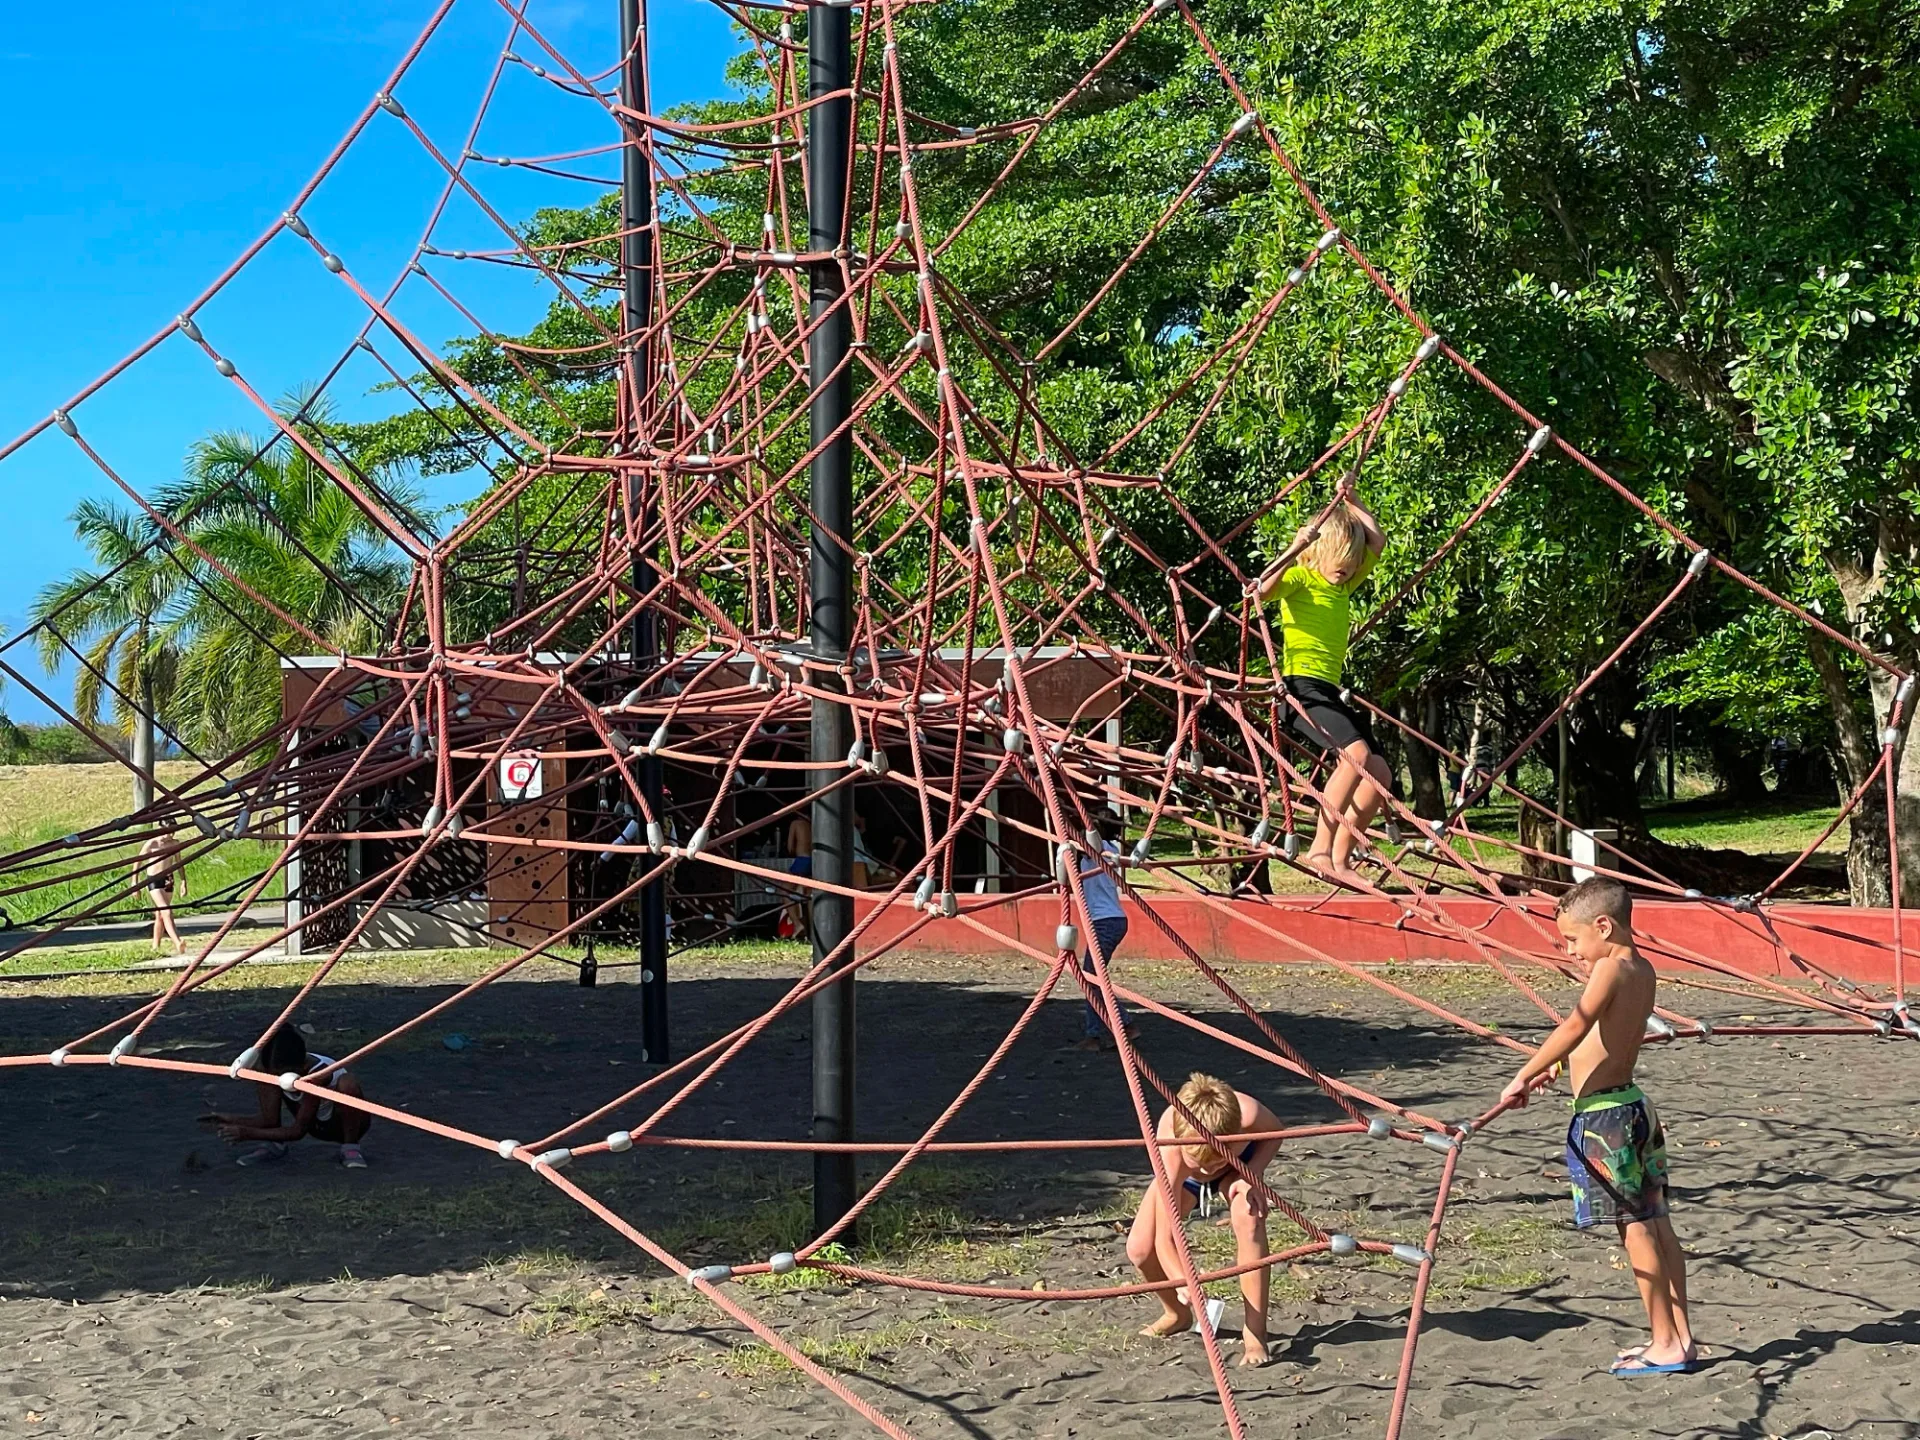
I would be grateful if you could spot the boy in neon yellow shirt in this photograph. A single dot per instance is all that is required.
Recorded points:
(1315, 597)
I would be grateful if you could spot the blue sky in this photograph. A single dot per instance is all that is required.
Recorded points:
(149, 143)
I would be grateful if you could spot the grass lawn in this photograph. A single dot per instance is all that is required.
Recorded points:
(41, 803)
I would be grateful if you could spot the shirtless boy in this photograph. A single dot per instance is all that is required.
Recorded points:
(1222, 1110)
(1616, 1150)
(159, 868)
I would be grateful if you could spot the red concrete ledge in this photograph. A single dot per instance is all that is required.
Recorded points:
(1855, 943)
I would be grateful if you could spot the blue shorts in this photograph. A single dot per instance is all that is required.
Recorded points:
(1616, 1158)
(801, 865)
(1198, 1188)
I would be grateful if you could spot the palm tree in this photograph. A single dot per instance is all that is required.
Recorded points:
(124, 621)
(279, 524)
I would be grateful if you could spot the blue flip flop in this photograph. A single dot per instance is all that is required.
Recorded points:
(1633, 1367)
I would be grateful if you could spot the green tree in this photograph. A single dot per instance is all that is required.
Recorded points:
(123, 621)
(271, 521)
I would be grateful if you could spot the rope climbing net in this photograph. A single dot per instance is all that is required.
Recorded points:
(983, 548)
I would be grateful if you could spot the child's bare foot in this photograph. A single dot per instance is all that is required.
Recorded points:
(1255, 1354)
(1348, 876)
(1177, 1323)
(1320, 862)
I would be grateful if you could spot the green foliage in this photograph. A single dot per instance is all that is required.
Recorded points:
(1687, 236)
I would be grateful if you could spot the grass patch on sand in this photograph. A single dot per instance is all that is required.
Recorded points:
(855, 1352)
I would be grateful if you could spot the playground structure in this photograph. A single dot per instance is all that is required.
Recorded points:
(710, 640)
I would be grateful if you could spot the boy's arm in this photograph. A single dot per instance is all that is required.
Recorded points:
(1569, 1032)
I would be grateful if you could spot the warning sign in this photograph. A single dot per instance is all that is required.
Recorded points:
(522, 777)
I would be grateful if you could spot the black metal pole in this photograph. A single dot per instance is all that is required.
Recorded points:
(637, 267)
(829, 69)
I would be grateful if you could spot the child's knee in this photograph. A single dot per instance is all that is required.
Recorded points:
(1247, 1227)
(346, 1084)
(1140, 1247)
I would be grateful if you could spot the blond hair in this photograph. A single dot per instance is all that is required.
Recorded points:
(1213, 1103)
(1341, 542)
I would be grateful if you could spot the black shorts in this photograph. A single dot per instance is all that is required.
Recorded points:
(1330, 722)
(333, 1129)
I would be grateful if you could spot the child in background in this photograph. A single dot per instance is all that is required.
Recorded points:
(1193, 1169)
(1109, 922)
(1616, 1149)
(1315, 622)
(160, 869)
(307, 1114)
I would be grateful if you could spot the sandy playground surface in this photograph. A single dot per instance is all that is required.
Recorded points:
(149, 1287)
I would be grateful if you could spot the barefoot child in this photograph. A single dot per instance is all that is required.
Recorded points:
(307, 1114)
(1193, 1168)
(1616, 1150)
(1315, 621)
(159, 868)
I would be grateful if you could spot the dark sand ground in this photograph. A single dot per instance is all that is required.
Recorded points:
(148, 1287)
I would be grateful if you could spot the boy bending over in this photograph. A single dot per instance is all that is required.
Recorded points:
(1194, 1168)
(1616, 1150)
(304, 1113)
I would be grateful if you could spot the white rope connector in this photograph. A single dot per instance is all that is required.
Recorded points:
(1411, 1255)
(857, 755)
(1290, 847)
(1260, 831)
(656, 836)
(659, 740)
(298, 226)
(128, 1045)
(1428, 348)
(391, 105)
(225, 367)
(1067, 938)
(620, 1141)
(289, 1081)
(190, 329)
(205, 826)
(711, 1274)
(1398, 387)
(506, 1148)
(1433, 1140)
(1013, 740)
(58, 1057)
(1537, 441)
(245, 1060)
(1890, 737)
(1327, 241)
(698, 841)
(783, 1263)
(1342, 1244)
(434, 816)
(1142, 848)
(1379, 1128)
(1905, 692)
(618, 743)
(553, 1159)
(1701, 560)
(1245, 123)
(1063, 864)
(1660, 1025)
(923, 894)
(949, 904)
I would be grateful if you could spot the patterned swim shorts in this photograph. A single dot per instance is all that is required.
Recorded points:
(1616, 1158)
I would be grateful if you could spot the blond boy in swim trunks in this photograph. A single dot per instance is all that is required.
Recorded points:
(1616, 1149)
(1195, 1169)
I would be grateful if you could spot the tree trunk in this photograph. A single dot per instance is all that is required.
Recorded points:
(142, 740)
(1869, 879)
(1739, 767)
(1421, 713)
